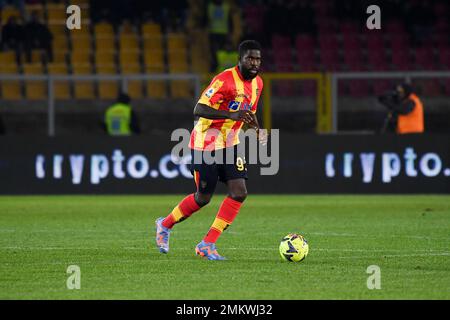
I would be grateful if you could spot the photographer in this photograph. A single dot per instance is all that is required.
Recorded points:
(405, 113)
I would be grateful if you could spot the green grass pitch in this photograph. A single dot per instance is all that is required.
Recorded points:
(111, 239)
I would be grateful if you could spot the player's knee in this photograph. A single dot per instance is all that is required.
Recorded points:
(202, 199)
(239, 195)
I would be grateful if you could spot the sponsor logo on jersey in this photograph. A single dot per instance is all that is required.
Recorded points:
(234, 105)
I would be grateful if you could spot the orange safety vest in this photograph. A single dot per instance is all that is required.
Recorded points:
(413, 121)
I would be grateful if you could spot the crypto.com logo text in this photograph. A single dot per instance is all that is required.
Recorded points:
(257, 152)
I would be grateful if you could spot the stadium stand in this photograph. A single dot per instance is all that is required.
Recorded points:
(152, 39)
(156, 46)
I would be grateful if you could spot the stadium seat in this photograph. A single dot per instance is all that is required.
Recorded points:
(105, 57)
(134, 87)
(401, 60)
(127, 28)
(179, 88)
(154, 42)
(424, 59)
(85, 30)
(61, 88)
(306, 60)
(57, 30)
(35, 7)
(354, 61)
(81, 43)
(83, 89)
(328, 42)
(176, 41)
(325, 25)
(350, 42)
(308, 88)
(283, 60)
(177, 59)
(381, 86)
(395, 27)
(129, 56)
(56, 13)
(444, 58)
(60, 43)
(34, 89)
(105, 43)
(80, 57)
(103, 29)
(199, 62)
(358, 88)
(304, 43)
(36, 56)
(128, 42)
(9, 11)
(374, 43)
(10, 89)
(107, 89)
(430, 87)
(329, 60)
(284, 88)
(447, 86)
(177, 63)
(155, 88)
(150, 29)
(154, 58)
(281, 42)
(348, 28)
(7, 57)
(427, 87)
(377, 61)
(399, 42)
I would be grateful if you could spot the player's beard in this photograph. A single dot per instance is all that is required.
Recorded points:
(247, 74)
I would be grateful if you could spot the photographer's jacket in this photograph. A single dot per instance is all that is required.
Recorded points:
(411, 122)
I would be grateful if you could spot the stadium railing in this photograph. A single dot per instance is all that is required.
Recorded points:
(408, 76)
(124, 79)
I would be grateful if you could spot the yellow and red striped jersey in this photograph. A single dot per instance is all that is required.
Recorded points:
(227, 91)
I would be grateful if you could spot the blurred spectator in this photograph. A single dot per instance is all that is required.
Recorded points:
(150, 10)
(2, 127)
(405, 110)
(13, 35)
(275, 19)
(219, 27)
(303, 18)
(120, 119)
(419, 20)
(226, 57)
(100, 10)
(349, 10)
(176, 13)
(19, 4)
(37, 36)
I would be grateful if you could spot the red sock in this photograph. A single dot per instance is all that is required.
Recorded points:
(227, 212)
(181, 212)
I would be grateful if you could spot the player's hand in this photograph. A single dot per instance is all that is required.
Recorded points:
(242, 115)
(262, 136)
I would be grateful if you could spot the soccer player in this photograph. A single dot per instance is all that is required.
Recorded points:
(229, 102)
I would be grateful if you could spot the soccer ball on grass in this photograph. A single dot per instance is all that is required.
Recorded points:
(294, 248)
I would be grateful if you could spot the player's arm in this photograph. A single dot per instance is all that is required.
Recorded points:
(204, 111)
(261, 133)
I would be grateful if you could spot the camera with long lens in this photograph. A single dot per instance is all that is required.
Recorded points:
(389, 99)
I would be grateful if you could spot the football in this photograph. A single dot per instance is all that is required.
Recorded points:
(294, 248)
